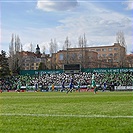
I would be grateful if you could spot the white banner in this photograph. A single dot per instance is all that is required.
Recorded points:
(123, 87)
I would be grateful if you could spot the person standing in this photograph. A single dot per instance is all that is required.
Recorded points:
(36, 86)
(71, 86)
(63, 86)
(104, 86)
(93, 83)
(18, 86)
(53, 87)
(79, 86)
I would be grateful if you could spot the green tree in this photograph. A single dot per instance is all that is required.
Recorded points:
(4, 65)
(40, 66)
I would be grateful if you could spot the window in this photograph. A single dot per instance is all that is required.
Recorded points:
(98, 49)
(32, 68)
(104, 55)
(37, 60)
(110, 49)
(37, 64)
(99, 55)
(110, 55)
(115, 54)
(92, 49)
(104, 49)
(74, 55)
(61, 57)
(115, 49)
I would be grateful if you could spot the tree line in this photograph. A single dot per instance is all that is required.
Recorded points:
(12, 64)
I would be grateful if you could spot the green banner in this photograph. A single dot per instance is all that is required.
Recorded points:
(88, 70)
(108, 70)
(39, 72)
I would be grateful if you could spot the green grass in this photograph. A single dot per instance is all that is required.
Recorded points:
(55, 112)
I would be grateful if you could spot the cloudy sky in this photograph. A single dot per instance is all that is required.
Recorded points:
(39, 21)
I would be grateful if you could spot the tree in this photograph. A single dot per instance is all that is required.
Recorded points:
(82, 44)
(43, 49)
(15, 59)
(67, 44)
(31, 47)
(51, 49)
(55, 46)
(84, 50)
(4, 65)
(41, 67)
(17, 44)
(55, 51)
(120, 39)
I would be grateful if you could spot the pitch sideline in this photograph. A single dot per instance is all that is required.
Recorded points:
(65, 115)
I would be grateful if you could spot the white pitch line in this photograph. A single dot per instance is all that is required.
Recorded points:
(65, 115)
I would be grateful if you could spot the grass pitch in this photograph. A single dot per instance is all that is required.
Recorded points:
(56, 112)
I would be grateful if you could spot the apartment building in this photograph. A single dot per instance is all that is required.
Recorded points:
(77, 56)
(114, 54)
(29, 60)
(89, 57)
(129, 59)
(93, 57)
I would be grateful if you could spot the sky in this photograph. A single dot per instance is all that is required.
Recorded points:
(39, 21)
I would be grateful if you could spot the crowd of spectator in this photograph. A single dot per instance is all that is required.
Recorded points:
(47, 80)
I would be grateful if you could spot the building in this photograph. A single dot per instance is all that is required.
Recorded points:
(29, 60)
(88, 57)
(114, 55)
(93, 57)
(129, 59)
(32, 61)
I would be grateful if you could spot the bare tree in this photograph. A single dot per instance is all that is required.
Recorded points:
(21, 48)
(51, 50)
(85, 41)
(84, 50)
(82, 44)
(11, 53)
(55, 51)
(11, 46)
(67, 44)
(43, 49)
(120, 39)
(55, 46)
(15, 48)
(31, 47)
(17, 44)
